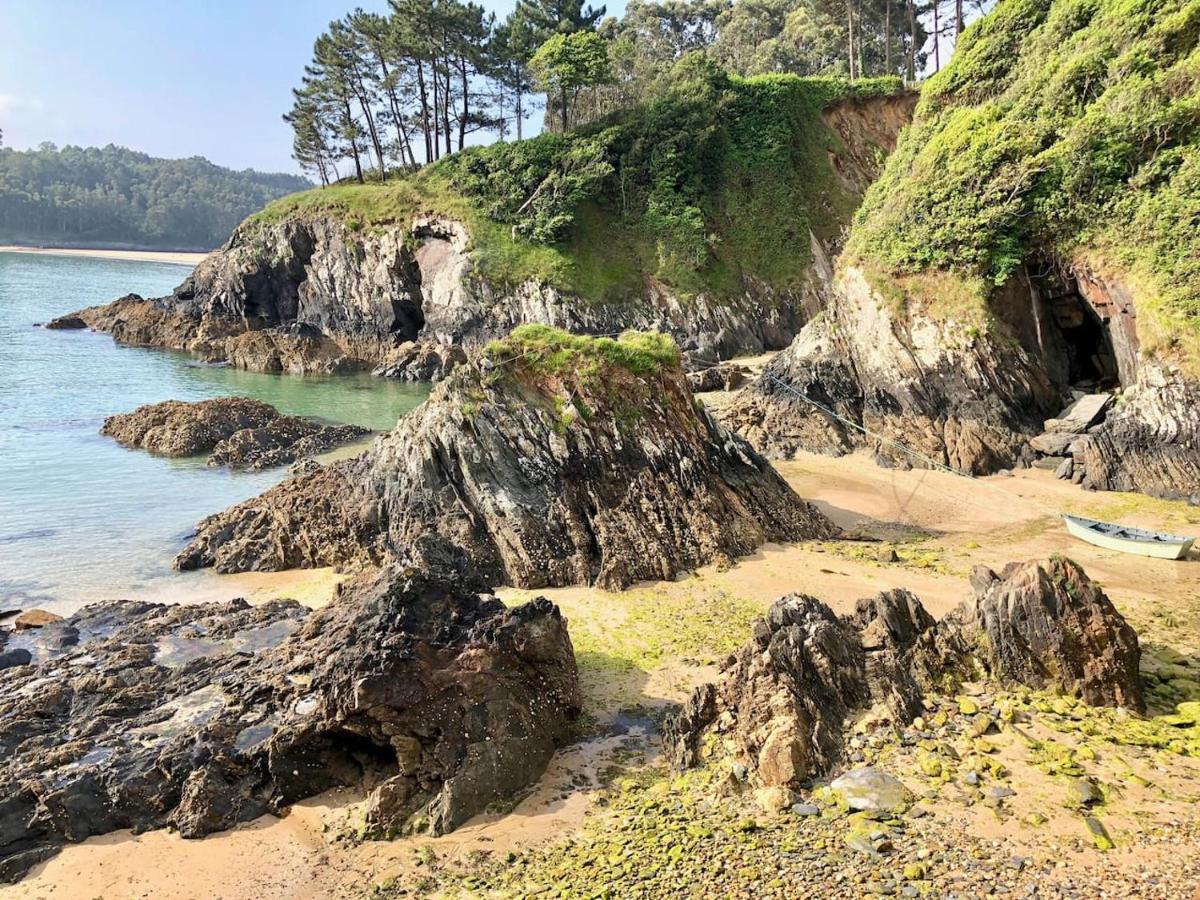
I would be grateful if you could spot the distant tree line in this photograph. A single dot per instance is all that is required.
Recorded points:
(397, 90)
(113, 195)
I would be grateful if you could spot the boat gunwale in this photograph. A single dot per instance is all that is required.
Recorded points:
(1130, 533)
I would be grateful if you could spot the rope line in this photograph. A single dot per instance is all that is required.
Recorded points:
(931, 463)
(896, 445)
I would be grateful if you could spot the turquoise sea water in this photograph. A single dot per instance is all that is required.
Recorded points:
(82, 518)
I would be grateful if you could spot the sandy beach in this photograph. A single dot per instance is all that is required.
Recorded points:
(164, 256)
(648, 646)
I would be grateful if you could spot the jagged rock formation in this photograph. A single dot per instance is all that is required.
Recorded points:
(1047, 625)
(949, 391)
(547, 460)
(1150, 442)
(783, 702)
(234, 431)
(202, 716)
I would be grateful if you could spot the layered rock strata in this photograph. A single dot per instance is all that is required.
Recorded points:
(952, 393)
(413, 686)
(547, 460)
(784, 701)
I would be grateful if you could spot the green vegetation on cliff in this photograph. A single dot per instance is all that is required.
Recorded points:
(94, 196)
(553, 351)
(1060, 128)
(711, 186)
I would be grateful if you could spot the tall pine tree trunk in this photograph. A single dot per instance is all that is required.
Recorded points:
(912, 41)
(937, 31)
(424, 110)
(887, 37)
(466, 106)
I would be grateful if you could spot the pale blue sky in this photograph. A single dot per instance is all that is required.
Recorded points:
(169, 77)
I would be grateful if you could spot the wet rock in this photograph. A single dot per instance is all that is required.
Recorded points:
(18, 657)
(235, 431)
(67, 323)
(283, 440)
(592, 474)
(437, 698)
(870, 789)
(176, 428)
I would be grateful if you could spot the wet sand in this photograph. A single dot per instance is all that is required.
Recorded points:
(647, 646)
(165, 256)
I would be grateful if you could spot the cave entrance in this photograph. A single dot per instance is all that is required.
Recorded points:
(1086, 359)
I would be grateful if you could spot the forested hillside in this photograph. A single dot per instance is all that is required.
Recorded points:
(115, 196)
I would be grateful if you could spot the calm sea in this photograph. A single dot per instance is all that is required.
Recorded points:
(81, 518)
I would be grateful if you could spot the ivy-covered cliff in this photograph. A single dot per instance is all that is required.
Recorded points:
(1035, 235)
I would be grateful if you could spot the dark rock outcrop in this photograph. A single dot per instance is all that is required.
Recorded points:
(783, 701)
(1150, 442)
(435, 699)
(1045, 624)
(949, 391)
(178, 428)
(234, 431)
(544, 469)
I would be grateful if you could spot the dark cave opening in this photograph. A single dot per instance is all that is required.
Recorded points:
(1079, 346)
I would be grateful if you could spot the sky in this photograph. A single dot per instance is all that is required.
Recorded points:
(172, 78)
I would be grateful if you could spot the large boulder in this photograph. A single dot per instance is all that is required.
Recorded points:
(1045, 624)
(548, 459)
(235, 431)
(436, 699)
(782, 703)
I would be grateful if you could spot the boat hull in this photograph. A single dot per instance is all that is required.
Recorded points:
(1158, 549)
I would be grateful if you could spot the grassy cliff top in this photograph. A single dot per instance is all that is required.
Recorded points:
(552, 351)
(1066, 128)
(716, 180)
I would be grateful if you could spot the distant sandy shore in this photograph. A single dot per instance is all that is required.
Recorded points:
(184, 259)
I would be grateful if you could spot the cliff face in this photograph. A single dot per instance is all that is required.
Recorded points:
(963, 395)
(321, 286)
(1013, 266)
(548, 460)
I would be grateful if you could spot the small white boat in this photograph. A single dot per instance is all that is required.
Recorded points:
(1129, 540)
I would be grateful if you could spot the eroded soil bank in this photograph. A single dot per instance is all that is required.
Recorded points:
(608, 806)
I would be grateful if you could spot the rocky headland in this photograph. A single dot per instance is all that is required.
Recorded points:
(234, 431)
(414, 686)
(400, 287)
(548, 459)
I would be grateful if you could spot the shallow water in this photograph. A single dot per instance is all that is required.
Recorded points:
(81, 518)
